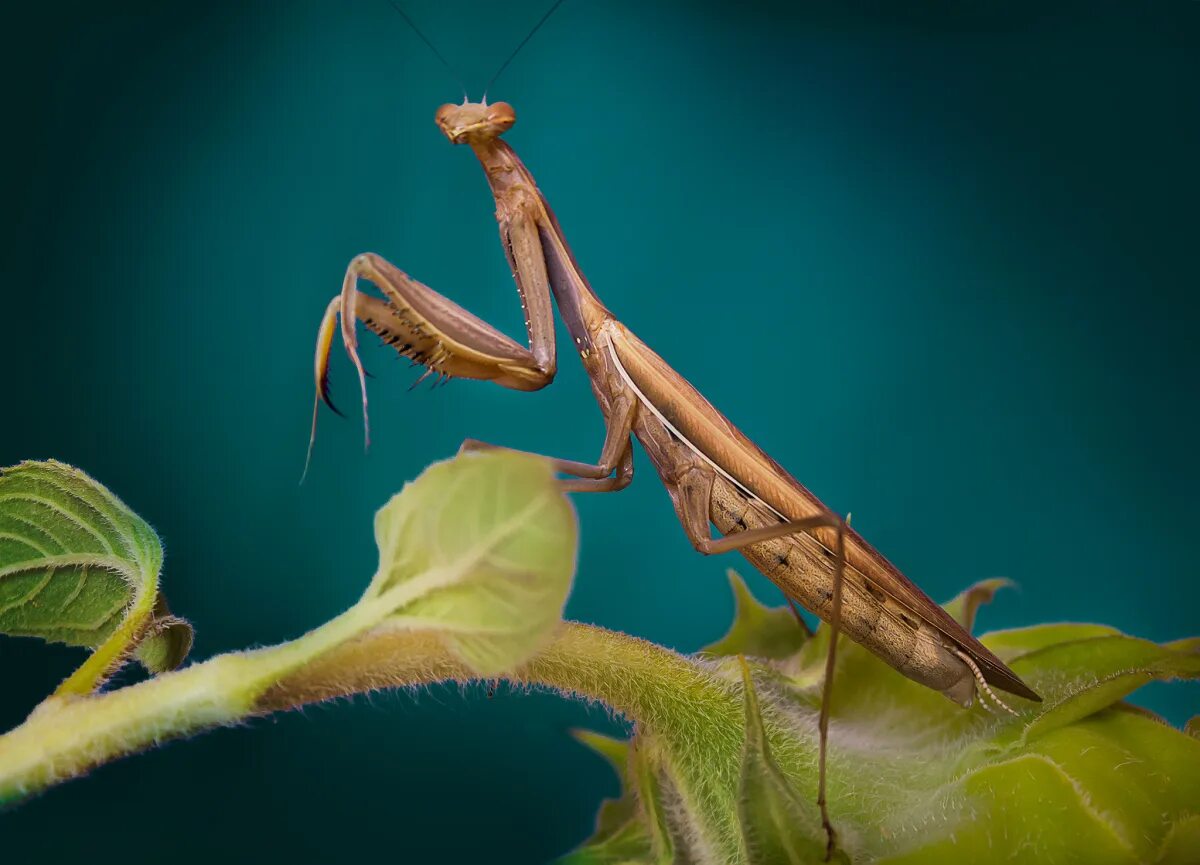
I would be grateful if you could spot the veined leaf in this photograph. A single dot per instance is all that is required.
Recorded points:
(77, 566)
(913, 778)
(758, 630)
(480, 548)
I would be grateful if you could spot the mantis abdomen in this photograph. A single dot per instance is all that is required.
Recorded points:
(804, 569)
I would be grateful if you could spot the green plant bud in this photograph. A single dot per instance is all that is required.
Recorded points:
(482, 550)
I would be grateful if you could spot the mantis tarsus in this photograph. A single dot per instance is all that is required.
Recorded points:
(715, 475)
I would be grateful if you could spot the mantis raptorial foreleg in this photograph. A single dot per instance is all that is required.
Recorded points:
(436, 332)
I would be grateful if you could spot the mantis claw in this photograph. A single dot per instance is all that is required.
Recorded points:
(321, 373)
(323, 393)
(349, 309)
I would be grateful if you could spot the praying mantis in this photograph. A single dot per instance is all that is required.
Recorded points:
(714, 474)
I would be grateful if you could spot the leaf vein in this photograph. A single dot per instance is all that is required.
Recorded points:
(21, 539)
(51, 480)
(69, 515)
(30, 595)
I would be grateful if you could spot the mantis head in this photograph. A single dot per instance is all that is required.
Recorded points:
(475, 122)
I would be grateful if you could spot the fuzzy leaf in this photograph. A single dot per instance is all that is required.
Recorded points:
(79, 567)
(1127, 765)
(614, 813)
(167, 640)
(1011, 644)
(913, 778)
(1084, 676)
(779, 826)
(964, 607)
(480, 548)
(644, 768)
(758, 630)
(628, 846)
(1182, 843)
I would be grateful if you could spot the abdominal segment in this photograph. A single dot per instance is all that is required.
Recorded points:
(804, 570)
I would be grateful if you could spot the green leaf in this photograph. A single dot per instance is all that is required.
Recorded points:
(481, 549)
(1084, 676)
(167, 640)
(636, 828)
(1127, 765)
(1011, 644)
(79, 567)
(614, 813)
(913, 778)
(628, 846)
(1181, 843)
(964, 607)
(779, 826)
(615, 751)
(758, 630)
(620, 837)
(646, 771)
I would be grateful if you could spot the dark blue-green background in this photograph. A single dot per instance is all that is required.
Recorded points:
(940, 263)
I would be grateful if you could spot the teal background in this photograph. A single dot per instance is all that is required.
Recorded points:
(940, 263)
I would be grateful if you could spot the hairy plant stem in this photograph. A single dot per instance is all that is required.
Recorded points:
(64, 738)
(108, 655)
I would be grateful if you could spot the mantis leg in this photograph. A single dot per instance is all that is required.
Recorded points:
(616, 453)
(692, 494)
(438, 333)
(603, 485)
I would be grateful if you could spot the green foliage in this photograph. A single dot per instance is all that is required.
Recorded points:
(476, 559)
(477, 553)
(757, 629)
(1081, 777)
(778, 824)
(482, 549)
(77, 566)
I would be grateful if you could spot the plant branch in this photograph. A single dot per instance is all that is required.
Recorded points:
(65, 738)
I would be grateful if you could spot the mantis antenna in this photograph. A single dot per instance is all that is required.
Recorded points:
(433, 48)
(528, 36)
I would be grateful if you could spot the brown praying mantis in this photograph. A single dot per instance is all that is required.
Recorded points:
(715, 475)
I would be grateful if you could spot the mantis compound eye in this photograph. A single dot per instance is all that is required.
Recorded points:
(501, 116)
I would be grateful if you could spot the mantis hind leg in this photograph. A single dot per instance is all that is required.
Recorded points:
(691, 492)
(835, 620)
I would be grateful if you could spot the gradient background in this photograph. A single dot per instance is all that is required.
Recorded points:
(939, 263)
